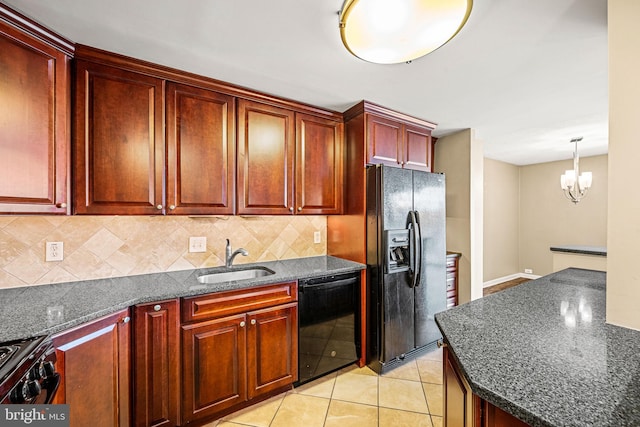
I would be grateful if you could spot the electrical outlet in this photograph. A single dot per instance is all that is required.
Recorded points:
(317, 238)
(528, 271)
(54, 251)
(197, 244)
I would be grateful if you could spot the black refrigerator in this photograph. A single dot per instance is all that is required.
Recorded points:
(406, 258)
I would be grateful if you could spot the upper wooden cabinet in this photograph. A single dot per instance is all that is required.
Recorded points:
(288, 163)
(34, 117)
(200, 151)
(118, 144)
(394, 139)
(266, 149)
(319, 165)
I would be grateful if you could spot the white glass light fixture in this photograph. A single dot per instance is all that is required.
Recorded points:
(573, 183)
(395, 31)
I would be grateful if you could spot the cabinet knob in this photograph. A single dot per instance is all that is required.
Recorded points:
(172, 207)
(156, 307)
(126, 319)
(291, 209)
(159, 207)
(441, 344)
(61, 205)
(253, 321)
(299, 208)
(242, 324)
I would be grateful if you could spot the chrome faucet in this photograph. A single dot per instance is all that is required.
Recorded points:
(230, 256)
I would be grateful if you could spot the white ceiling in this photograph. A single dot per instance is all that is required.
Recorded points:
(526, 75)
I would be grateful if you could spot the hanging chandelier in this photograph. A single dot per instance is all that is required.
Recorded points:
(573, 183)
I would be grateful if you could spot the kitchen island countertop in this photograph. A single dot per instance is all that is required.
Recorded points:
(46, 309)
(542, 352)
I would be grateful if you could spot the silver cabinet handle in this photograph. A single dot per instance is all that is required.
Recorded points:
(299, 208)
(172, 207)
(159, 207)
(291, 209)
(126, 319)
(61, 205)
(242, 324)
(253, 321)
(156, 307)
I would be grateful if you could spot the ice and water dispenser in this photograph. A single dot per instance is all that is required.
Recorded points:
(396, 250)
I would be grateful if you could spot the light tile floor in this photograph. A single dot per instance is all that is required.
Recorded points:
(409, 395)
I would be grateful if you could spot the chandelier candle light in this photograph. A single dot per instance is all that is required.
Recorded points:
(573, 183)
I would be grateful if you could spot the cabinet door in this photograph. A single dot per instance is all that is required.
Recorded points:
(384, 141)
(418, 148)
(201, 151)
(94, 362)
(119, 143)
(156, 364)
(319, 173)
(272, 348)
(213, 366)
(34, 123)
(265, 159)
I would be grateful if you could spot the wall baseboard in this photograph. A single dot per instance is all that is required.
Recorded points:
(509, 277)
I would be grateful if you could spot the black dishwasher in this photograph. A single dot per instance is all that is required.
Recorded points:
(329, 324)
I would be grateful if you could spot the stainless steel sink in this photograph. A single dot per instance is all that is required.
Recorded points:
(236, 274)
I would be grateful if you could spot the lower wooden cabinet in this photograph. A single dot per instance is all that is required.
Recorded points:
(156, 364)
(94, 362)
(462, 408)
(248, 352)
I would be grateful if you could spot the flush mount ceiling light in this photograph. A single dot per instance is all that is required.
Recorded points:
(394, 31)
(573, 183)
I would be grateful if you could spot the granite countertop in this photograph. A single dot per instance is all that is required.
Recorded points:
(543, 352)
(580, 249)
(47, 309)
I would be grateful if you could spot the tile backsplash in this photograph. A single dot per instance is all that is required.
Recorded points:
(109, 246)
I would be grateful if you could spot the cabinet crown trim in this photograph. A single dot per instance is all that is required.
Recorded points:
(36, 30)
(369, 107)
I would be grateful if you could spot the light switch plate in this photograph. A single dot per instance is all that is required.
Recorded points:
(197, 244)
(317, 238)
(54, 251)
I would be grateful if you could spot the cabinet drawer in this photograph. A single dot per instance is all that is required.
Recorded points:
(231, 302)
(451, 283)
(451, 302)
(451, 263)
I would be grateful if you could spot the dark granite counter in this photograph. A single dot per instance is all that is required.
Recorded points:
(581, 249)
(47, 309)
(543, 352)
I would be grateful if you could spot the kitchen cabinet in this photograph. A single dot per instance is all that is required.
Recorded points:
(288, 162)
(34, 117)
(120, 157)
(452, 278)
(237, 346)
(319, 165)
(396, 142)
(94, 362)
(266, 149)
(156, 363)
(200, 151)
(462, 408)
(119, 145)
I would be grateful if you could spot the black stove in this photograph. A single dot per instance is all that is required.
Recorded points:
(27, 371)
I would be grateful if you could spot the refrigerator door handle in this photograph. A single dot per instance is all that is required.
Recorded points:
(415, 248)
(419, 260)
